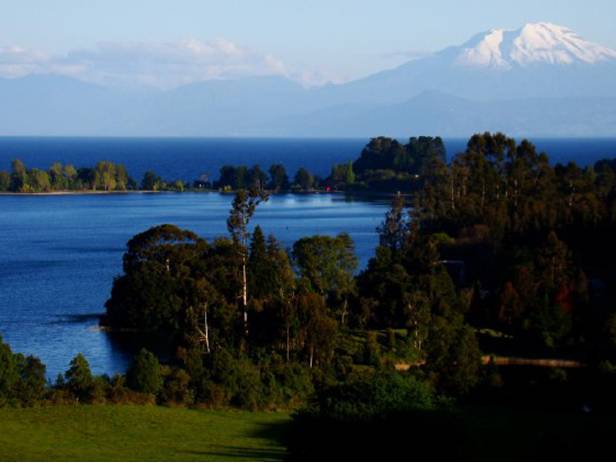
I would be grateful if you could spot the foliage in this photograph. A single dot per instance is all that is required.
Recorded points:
(144, 375)
(371, 397)
(22, 379)
(79, 379)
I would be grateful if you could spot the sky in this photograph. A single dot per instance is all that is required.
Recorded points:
(168, 43)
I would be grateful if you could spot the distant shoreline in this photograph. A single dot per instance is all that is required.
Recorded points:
(79, 193)
(133, 192)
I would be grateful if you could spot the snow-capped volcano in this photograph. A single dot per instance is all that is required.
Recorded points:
(536, 43)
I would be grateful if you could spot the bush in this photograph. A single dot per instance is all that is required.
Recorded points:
(144, 374)
(120, 394)
(22, 379)
(374, 396)
(79, 379)
(176, 390)
(100, 390)
(31, 386)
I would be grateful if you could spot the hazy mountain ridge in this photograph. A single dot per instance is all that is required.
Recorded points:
(541, 79)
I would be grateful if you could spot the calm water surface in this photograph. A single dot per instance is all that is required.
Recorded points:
(59, 255)
(188, 158)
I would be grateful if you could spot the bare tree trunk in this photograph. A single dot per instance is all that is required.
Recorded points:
(206, 329)
(311, 355)
(245, 294)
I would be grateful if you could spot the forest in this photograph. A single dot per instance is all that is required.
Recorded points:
(107, 176)
(497, 254)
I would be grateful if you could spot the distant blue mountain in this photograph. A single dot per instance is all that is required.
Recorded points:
(540, 80)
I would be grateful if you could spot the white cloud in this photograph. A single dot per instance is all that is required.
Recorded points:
(18, 62)
(161, 65)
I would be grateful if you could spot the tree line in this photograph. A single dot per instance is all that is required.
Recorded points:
(104, 176)
(276, 179)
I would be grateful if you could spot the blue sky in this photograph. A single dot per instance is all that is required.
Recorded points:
(314, 39)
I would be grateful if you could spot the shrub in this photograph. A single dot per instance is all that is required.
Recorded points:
(79, 379)
(31, 386)
(375, 396)
(144, 374)
(176, 390)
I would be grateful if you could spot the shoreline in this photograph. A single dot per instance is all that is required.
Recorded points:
(79, 193)
(135, 192)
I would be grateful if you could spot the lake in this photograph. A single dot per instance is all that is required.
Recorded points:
(61, 253)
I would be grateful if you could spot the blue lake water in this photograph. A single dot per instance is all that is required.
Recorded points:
(188, 158)
(59, 255)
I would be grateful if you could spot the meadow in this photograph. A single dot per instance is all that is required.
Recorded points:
(139, 433)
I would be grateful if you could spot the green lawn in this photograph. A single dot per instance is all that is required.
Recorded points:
(114, 432)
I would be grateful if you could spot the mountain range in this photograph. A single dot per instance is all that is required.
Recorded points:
(539, 80)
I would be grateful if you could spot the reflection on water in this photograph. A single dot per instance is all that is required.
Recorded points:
(59, 255)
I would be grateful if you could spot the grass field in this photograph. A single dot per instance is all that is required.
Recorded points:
(110, 432)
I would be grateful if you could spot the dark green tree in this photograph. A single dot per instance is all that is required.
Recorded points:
(144, 375)
(279, 179)
(79, 379)
(5, 181)
(151, 181)
(393, 232)
(328, 264)
(257, 179)
(304, 179)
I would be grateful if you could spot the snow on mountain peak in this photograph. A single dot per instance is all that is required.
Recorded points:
(532, 44)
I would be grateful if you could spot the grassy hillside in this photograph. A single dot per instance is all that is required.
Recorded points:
(105, 432)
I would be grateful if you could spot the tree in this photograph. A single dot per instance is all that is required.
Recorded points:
(257, 179)
(144, 374)
(258, 265)
(31, 386)
(121, 177)
(158, 284)
(553, 262)
(70, 174)
(342, 175)
(328, 264)
(105, 176)
(57, 178)
(319, 329)
(19, 176)
(151, 181)
(278, 178)
(233, 178)
(242, 210)
(38, 181)
(454, 357)
(79, 379)
(5, 181)
(418, 318)
(304, 179)
(8, 373)
(393, 232)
